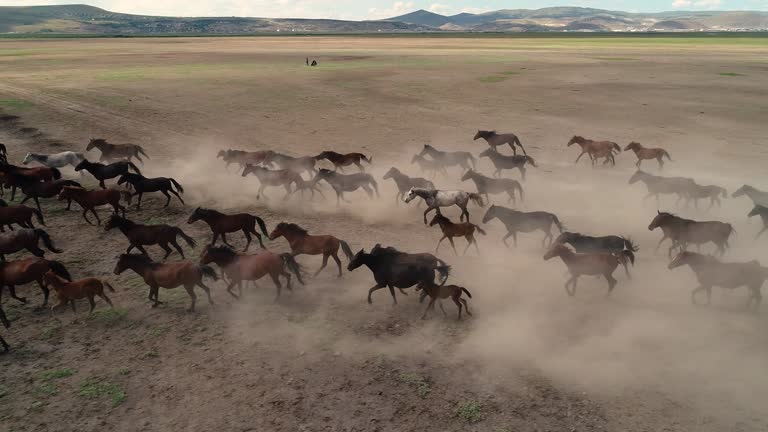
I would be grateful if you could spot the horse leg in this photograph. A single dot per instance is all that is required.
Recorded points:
(191, 291)
(166, 249)
(215, 237)
(142, 250)
(429, 306)
(709, 295)
(474, 240)
(168, 200)
(224, 239)
(178, 247)
(74, 309)
(207, 291)
(98, 219)
(611, 282)
(504, 239)
(12, 292)
(46, 292)
(578, 158)
(104, 297)
(450, 239)
(374, 288)
(360, 166)
(85, 216)
(325, 263)
(101, 183)
(338, 262)
(278, 285)
(392, 292)
(91, 302)
(177, 195)
(571, 281)
(441, 240)
(659, 244)
(522, 172)
(694, 292)
(626, 269)
(761, 232)
(427, 211)
(247, 238)
(138, 203)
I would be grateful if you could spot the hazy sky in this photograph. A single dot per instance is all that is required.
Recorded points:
(374, 9)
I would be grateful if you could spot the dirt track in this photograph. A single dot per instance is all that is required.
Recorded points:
(322, 359)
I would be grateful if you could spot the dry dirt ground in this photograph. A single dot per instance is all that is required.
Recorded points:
(530, 359)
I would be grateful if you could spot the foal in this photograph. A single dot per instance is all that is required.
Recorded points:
(68, 292)
(221, 224)
(643, 153)
(589, 264)
(29, 270)
(303, 243)
(451, 230)
(89, 200)
(144, 235)
(437, 292)
(142, 185)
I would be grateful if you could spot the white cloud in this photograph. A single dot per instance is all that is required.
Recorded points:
(441, 9)
(397, 8)
(696, 4)
(681, 3)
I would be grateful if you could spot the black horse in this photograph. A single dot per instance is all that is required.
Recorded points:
(142, 185)
(394, 269)
(105, 172)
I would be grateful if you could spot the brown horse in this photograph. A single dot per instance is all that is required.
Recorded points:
(596, 149)
(303, 243)
(451, 230)
(221, 224)
(437, 292)
(48, 189)
(686, 231)
(68, 292)
(29, 270)
(168, 275)
(15, 177)
(241, 268)
(18, 214)
(643, 153)
(340, 161)
(495, 139)
(116, 152)
(589, 264)
(6, 324)
(28, 239)
(90, 199)
(241, 157)
(144, 235)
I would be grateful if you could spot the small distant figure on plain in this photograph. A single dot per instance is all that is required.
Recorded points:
(307, 61)
(314, 62)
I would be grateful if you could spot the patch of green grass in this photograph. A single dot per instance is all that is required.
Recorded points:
(49, 332)
(96, 388)
(158, 331)
(109, 317)
(731, 74)
(57, 374)
(123, 371)
(509, 73)
(470, 411)
(46, 389)
(421, 383)
(494, 78)
(36, 406)
(15, 104)
(151, 354)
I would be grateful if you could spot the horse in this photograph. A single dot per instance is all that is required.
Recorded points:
(268, 177)
(525, 222)
(656, 185)
(69, 291)
(757, 196)
(643, 153)
(710, 272)
(105, 172)
(713, 192)
(502, 162)
(114, 152)
(607, 244)
(761, 211)
(6, 324)
(405, 183)
(142, 185)
(487, 185)
(394, 269)
(90, 199)
(29, 270)
(241, 268)
(596, 149)
(221, 224)
(55, 160)
(295, 164)
(139, 235)
(342, 183)
(3, 153)
(589, 264)
(437, 292)
(26, 238)
(339, 160)
(14, 177)
(449, 159)
(495, 139)
(451, 230)
(18, 214)
(241, 157)
(441, 198)
(35, 190)
(168, 275)
(685, 231)
(302, 243)
(427, 165)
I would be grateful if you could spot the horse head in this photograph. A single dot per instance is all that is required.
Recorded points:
(195, 216)
(357, 260)
(742, 191)
(758, 209)
(410, 195)
(682, 259)
(490, 213)
(27, 159)
(556, 250)
(575, 140)
(392, 172)
(468, 175)
(633, 146)
(486, 153)
(637, 176)
(659, 220)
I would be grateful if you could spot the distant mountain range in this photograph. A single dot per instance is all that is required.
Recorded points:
(89, 20)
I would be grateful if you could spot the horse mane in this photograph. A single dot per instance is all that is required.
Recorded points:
(141, 258)
(98, 141)
(119, 220)
(381, 250)
(292, 227)
(207, 211)
(440, 218)
(224, 250)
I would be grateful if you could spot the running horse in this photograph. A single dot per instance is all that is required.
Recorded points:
(757, 196)
(22, 272)
(221, 224)
(116, 152)
(596, 149)
(449, 159)
(405, 183)
(763, 213)
(685, 231)
(18, 214)
(105, 172)
(342, 183)
(139, 235)
(495, 139)
(268, 177)
(523, 222)
(451, 230)
(643, 153)
(295, 164)
(26, 238)
(340, 161)
(657, 185)
(142, 185)
(487, 185)
(302, 243)
(55, 160)
(502, 162)
(444, 198)
(589, 264)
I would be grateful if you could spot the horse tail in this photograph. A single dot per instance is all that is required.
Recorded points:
(178, 186)
(445, 271)
(190, 241)
(71, 183)
(630, 245)
(480, 230)
(141, 150)
(58, 268)
(134, 167)
(208, 271)
(347, 250)
(557, 223)
(290, 262)
(531, 161)
(260, 221)
(39, 215)
(628, 254)
(367, 159)
(466, 291)
(56, 173)
(106, 284)
(664, 152)
(477, 198)
(47, 240)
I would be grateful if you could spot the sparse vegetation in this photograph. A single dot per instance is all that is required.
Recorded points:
(494, 78)
(95, 388)
(109, 317)
(15, 104)
(421, 383)
(46, 389)
(470, 411)
(57, 374)
(731, 74)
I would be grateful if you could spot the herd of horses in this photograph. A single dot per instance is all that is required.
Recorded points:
(391, 268)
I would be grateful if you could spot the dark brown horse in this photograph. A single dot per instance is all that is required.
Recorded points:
(643, 153)
(28, 239)
(686, 231)
(48, 189)
(69, 291)
(451, 230)
(168, 275)
(437, 292)
(116, 152)
(26, 271)
(105, 172)
(589, 264)
(90, 199)
(221, 224)
(144, 235)
(340, 161)
(596, 149)
(18, 214)
(142, 185)
(494, 140)
(302, 243)
(241, 268)
(15, 177)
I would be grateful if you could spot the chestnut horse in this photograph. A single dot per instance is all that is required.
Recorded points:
(303, 243)
(495, 139)
(29, 270)
(68, 292)
(596, 149)
(90, 199)
(144, 235)
(18, 214)
(589, 264)
(686, 231)
(643, 153)
(241, 268)
(451, 230)
(167, 275)
(340, 161)
(221, 224)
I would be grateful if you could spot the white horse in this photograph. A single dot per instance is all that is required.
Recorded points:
(56, 160)
(439, 198)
